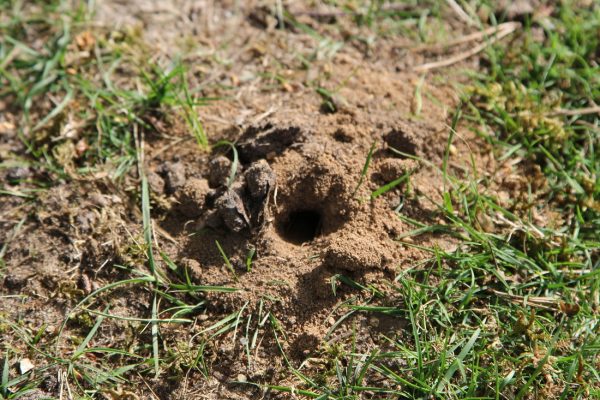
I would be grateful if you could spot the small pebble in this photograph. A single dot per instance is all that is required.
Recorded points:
(18, 173)
(25, 365)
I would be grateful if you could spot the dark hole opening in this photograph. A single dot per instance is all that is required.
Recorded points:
(301, 226)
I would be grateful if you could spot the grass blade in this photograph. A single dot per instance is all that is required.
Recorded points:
(155, 333)
(365, 169)
(4, 382)
(147, 226)
(459, 359)
(81, 348)
(226, 259)
(387, 187)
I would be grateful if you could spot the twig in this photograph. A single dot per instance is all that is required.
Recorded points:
(464, 55)
(547, 303)
(591, 126)
(468, 38)
(577, 111)
(460, 12)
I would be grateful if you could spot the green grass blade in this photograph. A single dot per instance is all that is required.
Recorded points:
(56, 111)
(147, 225)
(365, 168)
(459, 360)
(81, 348)
(226, 259)
(387, 187)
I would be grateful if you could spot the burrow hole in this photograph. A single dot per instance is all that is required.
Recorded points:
(301, 226)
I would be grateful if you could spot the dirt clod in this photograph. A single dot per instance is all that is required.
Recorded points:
(349, 251)
(219, 170)
(174, 176)
(231, 209)
(84, 283)
(260, 179)
(192, 198)
(156, 183)
(14, 282)
(192, 267)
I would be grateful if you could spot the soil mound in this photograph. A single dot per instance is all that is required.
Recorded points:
(294, 209)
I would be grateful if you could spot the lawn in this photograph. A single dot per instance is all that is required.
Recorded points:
(321, 199)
